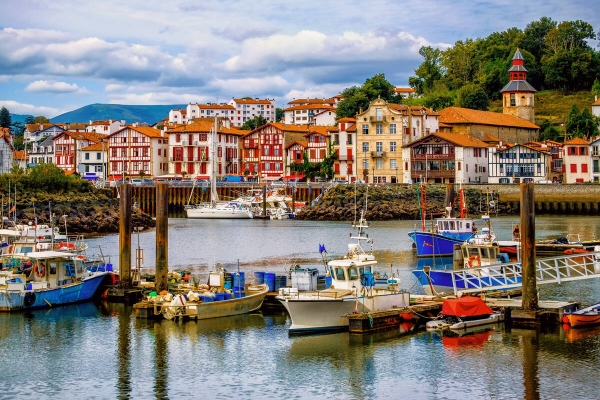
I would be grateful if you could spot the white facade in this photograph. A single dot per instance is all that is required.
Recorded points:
(576, 161)
(595, 160)
(344, 143)
(107, 127)
(6, 151)
(37, 132)
(310, 114)
(247, 109)
(517, 164)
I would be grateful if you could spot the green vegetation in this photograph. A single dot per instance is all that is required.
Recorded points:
(5, 120)
(356, 98)
(556, 55)
(254, 123)
(43, 178)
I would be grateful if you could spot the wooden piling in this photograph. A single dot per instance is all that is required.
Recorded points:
(530, 299)
(125, 236)
(162, 236)
(449, 200)
(264, 205)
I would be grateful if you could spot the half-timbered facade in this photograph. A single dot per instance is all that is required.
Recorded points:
(137, 151)
(445, 158)
(37, 132)
(263, 157)
(343, 139)
(194, 145)
(576, 162)
(41, 152)
(294, 156)
(68, 146)
(517, 163)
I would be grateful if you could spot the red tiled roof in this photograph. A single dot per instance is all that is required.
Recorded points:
(251, 101)
(577, 141)
(596, 103)
(405, 90)
(456, 138)
(312, 101)
(310, 107)
(205, 125)
(458, 115)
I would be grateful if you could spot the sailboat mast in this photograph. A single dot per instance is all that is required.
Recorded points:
(213, 186)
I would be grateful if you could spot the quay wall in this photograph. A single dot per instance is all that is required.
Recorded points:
(578, 199)
(145, 196)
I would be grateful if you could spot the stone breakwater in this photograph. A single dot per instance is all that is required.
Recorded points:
(401, 201)
(93, 213)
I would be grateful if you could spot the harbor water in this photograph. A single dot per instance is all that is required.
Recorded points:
(100, 350)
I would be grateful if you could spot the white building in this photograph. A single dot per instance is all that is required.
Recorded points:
(576, 161)
(6, 151)
(246, 109)
(107, 127)
(343, 138)
(518, 163)
(315, 114)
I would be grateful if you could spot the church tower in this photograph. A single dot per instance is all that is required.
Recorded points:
(518, 95)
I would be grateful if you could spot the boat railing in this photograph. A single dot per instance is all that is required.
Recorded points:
(509, 275)
(290, 293)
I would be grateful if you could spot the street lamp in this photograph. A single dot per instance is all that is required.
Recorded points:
(374, 175)
(396, 175)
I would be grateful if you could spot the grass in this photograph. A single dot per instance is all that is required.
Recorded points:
(554, 104)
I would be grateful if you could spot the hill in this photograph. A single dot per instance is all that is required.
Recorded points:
(19, 118)
(554, 104)
(139, 113)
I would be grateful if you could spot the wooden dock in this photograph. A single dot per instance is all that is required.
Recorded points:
(366, 322)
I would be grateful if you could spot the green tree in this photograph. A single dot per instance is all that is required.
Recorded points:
(596, 87)
(472, 96)
(254, 123)
(429, 72)
(40, 119)
(278, 114)
(549, 132)
(15, 169)
(588, 125)
(5, 119)
(439, 97)
(534, 37)
(29, 120)
(572, 120)
(458, 62)
(356, 98)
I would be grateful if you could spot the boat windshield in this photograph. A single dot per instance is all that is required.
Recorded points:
(339, 274)
(365, 270)
(353, 273)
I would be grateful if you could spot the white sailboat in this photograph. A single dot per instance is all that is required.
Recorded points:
(216, 209)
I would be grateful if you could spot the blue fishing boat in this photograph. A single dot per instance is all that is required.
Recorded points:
(45, 279)
(447, 232)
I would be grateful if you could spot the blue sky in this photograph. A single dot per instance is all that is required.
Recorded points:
(56, 56)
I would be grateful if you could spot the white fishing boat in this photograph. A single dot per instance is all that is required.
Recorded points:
(216, 209)
(353, 290)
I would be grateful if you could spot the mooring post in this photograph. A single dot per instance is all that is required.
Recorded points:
(449, 195)
(264, 206)
(125, 236)
(529, 284)
(162, 237)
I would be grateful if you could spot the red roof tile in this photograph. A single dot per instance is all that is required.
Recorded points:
(458, 115)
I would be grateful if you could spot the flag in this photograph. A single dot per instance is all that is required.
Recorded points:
(35, 222)
(13, 209)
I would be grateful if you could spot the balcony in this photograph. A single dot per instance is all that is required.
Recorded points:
(450, 156)
(345, 157)
(185, 143)
(382, 118)
(378, 154)
(416, 174)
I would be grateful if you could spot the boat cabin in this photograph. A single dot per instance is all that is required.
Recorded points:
(351, 271)
(46, 269)
(477, 255)
(454, 226)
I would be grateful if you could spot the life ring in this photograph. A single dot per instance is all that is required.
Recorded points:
(10, 249)
(29, 299)
(56, 246)
(40, 270)
(474, 261)
(82, 258)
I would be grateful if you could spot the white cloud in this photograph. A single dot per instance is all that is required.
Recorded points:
(54, 87)
(22, 108)
(310, 48)
(250, 86)
(157, 98)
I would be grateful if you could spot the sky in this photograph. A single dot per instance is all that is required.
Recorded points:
(60, 55)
